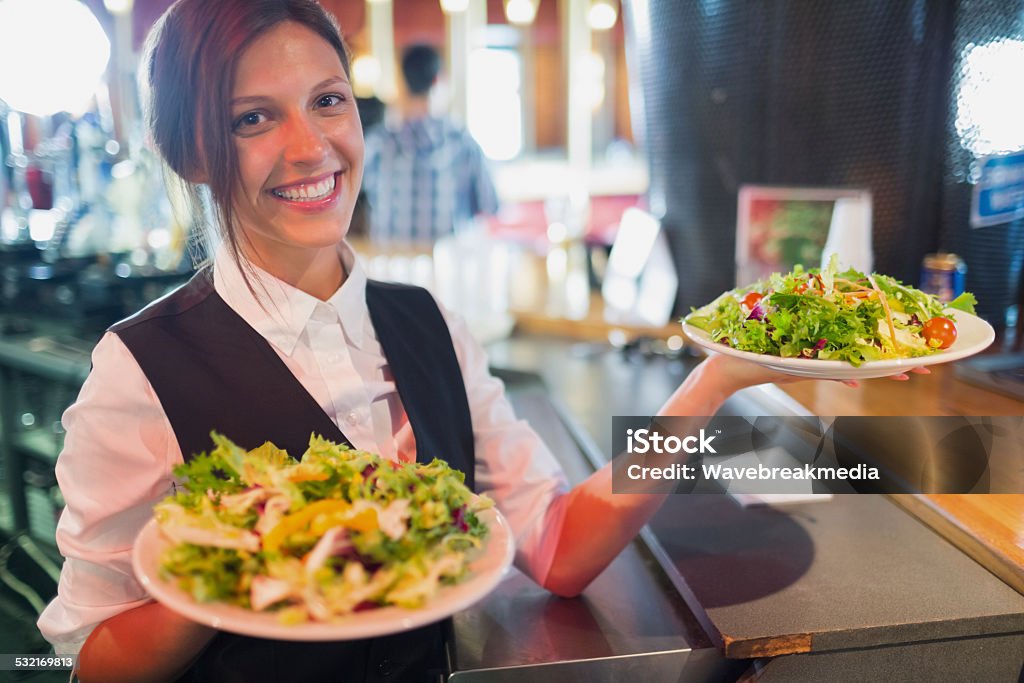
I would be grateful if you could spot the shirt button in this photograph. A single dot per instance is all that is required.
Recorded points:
(334, 357)
(352, 418)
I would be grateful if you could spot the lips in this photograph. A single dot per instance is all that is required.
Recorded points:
(311, 194)
(308, 190)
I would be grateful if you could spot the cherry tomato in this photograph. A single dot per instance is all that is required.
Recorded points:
(940, 332)
(751, 299)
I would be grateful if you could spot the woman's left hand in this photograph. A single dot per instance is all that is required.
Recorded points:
(902, 377)
(739, 374)
(714, 380)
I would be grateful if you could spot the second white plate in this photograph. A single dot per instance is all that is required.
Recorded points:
(973, 336)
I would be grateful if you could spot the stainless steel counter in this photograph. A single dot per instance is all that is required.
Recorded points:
(868, 592)
(854, 588)
(631, 621)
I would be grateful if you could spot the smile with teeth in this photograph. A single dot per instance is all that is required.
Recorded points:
(307, 193)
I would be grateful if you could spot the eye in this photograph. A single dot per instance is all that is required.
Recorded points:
(329, 101)
(249, 122)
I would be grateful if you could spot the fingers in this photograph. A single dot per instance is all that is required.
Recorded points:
(903, 376)
(851, 383)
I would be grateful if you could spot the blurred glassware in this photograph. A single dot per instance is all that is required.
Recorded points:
(640, 282)
(849, 234)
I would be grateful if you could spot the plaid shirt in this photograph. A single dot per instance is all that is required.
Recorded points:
(423, 179)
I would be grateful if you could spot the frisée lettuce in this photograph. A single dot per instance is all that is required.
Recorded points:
(338, 531)
(832, 315)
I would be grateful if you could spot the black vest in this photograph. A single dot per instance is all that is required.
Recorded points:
(212, 371)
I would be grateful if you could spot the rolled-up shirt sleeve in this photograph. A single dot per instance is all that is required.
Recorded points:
(115, 465)
(513, 465)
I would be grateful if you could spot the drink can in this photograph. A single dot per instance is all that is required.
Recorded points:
(943, 274)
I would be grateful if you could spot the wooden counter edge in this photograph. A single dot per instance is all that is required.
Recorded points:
(960, 535)
(774, 646)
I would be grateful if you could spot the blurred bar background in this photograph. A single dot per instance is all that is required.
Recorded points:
(610, 126)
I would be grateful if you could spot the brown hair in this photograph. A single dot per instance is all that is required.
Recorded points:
(187, 76)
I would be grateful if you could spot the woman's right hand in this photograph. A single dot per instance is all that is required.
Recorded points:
(149, 643)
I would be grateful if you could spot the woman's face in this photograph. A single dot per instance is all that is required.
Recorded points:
(300, 145)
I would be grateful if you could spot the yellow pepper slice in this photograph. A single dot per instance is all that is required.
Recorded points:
(298, 521)
(307, 474)
(364, 520)
(319, 517)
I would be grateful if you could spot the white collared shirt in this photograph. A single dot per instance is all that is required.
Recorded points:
(120, 449)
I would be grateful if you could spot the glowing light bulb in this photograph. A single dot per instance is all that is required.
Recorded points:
(602, 14)
(365, 75)
(521, 12)
(47, 81)
(118, 6)
(454, 6)
(989, 105)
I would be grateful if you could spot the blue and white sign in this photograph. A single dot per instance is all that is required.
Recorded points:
(999, 193)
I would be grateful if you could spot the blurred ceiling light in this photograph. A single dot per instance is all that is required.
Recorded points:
(118, 6)
(989, 106)
(521, 12)
(48, 80)
(602, 14)
(454, 6)
(365, 75)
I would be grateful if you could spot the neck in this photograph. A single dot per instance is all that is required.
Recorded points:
(317, 272)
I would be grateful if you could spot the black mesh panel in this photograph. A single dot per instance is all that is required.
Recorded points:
(993, 254)
(786, 92)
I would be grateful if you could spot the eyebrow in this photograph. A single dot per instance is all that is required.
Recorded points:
(262, 98)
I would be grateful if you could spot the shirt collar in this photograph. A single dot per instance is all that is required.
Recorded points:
(280, 312)
(350, 299)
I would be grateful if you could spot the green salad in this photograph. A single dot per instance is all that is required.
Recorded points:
(832, 315)
(339, 531)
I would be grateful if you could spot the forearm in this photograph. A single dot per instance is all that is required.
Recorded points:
(148, 643)
(597, 524)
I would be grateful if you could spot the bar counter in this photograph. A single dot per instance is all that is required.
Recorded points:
(850, 589)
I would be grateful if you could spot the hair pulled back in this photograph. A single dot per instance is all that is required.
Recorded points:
(187, 77)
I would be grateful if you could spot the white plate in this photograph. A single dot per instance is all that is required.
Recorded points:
(973, 336)
(487, 569)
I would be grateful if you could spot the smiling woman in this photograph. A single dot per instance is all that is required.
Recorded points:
(283, 337)
(291, 125)
(300, 156)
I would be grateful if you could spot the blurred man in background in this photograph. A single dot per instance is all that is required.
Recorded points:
(424, 175)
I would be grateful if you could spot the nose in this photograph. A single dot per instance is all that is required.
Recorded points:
(305, 141)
